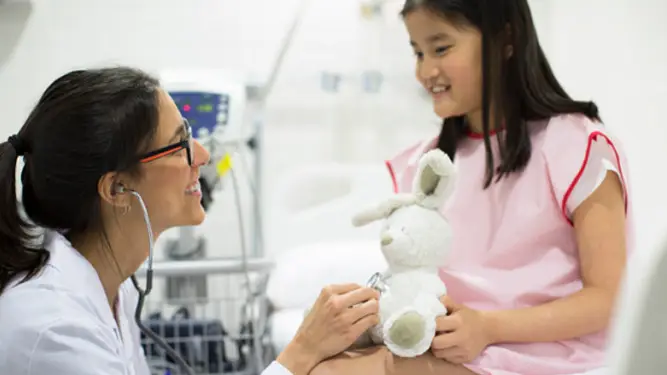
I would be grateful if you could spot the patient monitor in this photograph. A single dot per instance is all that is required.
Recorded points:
(214, 102)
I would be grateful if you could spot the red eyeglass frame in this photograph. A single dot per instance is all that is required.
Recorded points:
(172, 148)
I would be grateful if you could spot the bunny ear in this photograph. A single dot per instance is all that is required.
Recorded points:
(434, 180)
(383, 210)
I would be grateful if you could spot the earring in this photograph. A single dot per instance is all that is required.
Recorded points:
(509, 51)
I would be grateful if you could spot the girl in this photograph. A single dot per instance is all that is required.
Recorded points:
(540, 210)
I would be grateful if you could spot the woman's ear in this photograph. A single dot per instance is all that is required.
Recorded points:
(434, 180)
(113, 191)
(383, 210)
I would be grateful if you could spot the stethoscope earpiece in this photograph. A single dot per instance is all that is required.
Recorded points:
(118, 189)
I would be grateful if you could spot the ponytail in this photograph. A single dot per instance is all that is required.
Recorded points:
(17, 235)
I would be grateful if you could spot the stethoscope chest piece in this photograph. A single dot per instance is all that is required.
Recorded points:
(377, 282)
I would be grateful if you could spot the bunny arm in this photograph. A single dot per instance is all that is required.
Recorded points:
(383, 210)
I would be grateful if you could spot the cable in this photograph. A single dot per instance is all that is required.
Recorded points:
(144, 292)
(151, 241)
(253, 189)
(152, 335)
(239, 217)
(244, 260)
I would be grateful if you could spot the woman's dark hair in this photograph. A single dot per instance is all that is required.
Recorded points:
(523, 85)
(86, 124)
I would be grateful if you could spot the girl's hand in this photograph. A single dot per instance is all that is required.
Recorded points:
(460, 336)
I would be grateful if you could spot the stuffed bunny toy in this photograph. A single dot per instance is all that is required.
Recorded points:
(415, 241)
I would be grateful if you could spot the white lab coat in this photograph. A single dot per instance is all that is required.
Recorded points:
(60, 322)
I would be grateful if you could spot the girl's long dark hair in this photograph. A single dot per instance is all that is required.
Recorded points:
(523, 84)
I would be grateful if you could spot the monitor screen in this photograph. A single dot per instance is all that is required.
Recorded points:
(203, 110)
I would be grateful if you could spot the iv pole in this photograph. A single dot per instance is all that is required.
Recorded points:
(257, 96)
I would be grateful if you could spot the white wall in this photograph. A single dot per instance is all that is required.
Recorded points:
(614, 52)
(609, 50)
(151, 34)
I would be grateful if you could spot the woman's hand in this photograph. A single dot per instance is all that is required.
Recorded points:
(341, 314)
(461, 335)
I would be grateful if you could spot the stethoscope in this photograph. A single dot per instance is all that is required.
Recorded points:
(149, 286)
(378, 282)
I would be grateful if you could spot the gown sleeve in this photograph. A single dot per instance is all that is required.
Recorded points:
(578, 154)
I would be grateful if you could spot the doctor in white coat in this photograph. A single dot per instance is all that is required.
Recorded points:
(99, 146)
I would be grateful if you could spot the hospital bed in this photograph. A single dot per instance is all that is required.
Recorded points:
(310, 237)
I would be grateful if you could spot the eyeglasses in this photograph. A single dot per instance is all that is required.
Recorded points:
(172, 148)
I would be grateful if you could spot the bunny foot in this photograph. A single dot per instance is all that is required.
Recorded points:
(409, 333)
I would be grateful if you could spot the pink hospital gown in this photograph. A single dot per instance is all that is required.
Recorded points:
(514, 245)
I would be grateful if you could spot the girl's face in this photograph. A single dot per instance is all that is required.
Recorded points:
(449, 62)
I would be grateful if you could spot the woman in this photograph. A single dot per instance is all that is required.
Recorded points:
(95, 141)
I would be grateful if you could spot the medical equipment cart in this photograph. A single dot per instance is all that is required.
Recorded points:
(222, 334)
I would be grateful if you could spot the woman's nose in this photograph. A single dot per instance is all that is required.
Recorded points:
(202, 156)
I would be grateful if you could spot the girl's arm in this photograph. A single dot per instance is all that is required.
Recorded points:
(599, 223)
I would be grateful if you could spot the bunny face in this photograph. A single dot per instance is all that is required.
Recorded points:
(414, 236)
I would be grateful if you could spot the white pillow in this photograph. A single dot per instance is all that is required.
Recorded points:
(301, 273)
(284, 325)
